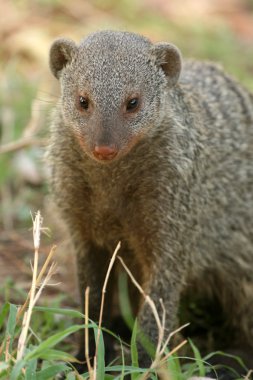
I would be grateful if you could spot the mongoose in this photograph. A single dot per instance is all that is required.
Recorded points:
(157, 153)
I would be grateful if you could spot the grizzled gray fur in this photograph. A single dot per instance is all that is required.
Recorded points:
(159, 155)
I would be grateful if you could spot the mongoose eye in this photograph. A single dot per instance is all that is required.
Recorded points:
(132, 104)
(84, 102)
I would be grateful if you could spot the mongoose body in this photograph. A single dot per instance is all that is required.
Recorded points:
(157, 155)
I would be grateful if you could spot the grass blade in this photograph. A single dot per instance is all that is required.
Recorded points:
(4, 311)
(61, 311)
(236, 358)
(124, 301)
(11, 324)
(134, 350)
(51, 371)
(174, 367)
(123, 361)
(100, 355)
(199, 360)
(52, 341)
(51, 354)
(30, 373)
(16, 370)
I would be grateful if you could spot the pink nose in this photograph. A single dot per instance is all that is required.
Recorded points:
(104, 152)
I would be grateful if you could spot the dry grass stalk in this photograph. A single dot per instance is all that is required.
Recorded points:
(39, 278)
(171, 335)
(33, 296)
(248, 376)
(103, 293)
(159, 362)
(86, 332)
(177, 348)
(92, 370)
(150, 302)
(37, 223)
(50, 273)
(94, 375)
(7, 354)
(147, 298)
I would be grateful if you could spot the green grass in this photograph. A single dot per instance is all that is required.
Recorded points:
(49, 348)
(43, 360)
(36, 342)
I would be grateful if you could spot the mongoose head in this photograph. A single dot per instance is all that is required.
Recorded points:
(112, 88)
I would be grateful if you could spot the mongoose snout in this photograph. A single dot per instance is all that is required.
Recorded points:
(105, 152)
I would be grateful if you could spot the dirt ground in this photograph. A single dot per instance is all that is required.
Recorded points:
(16, 257)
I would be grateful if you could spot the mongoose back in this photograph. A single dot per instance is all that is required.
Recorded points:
(156, 153)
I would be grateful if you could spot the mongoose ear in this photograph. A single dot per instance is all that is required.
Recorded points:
(168, 57)
(61, 53)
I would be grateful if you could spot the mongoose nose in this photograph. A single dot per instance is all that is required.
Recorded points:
(104, 152)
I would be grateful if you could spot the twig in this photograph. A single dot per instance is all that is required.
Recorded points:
(22, 143)
(34, 123)
(171, 335)
(29, 132)
(103, 297)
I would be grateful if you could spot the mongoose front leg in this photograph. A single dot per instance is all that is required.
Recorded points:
(164, 289)
(92, 264)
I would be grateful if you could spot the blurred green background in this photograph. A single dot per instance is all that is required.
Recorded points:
(220, 30)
